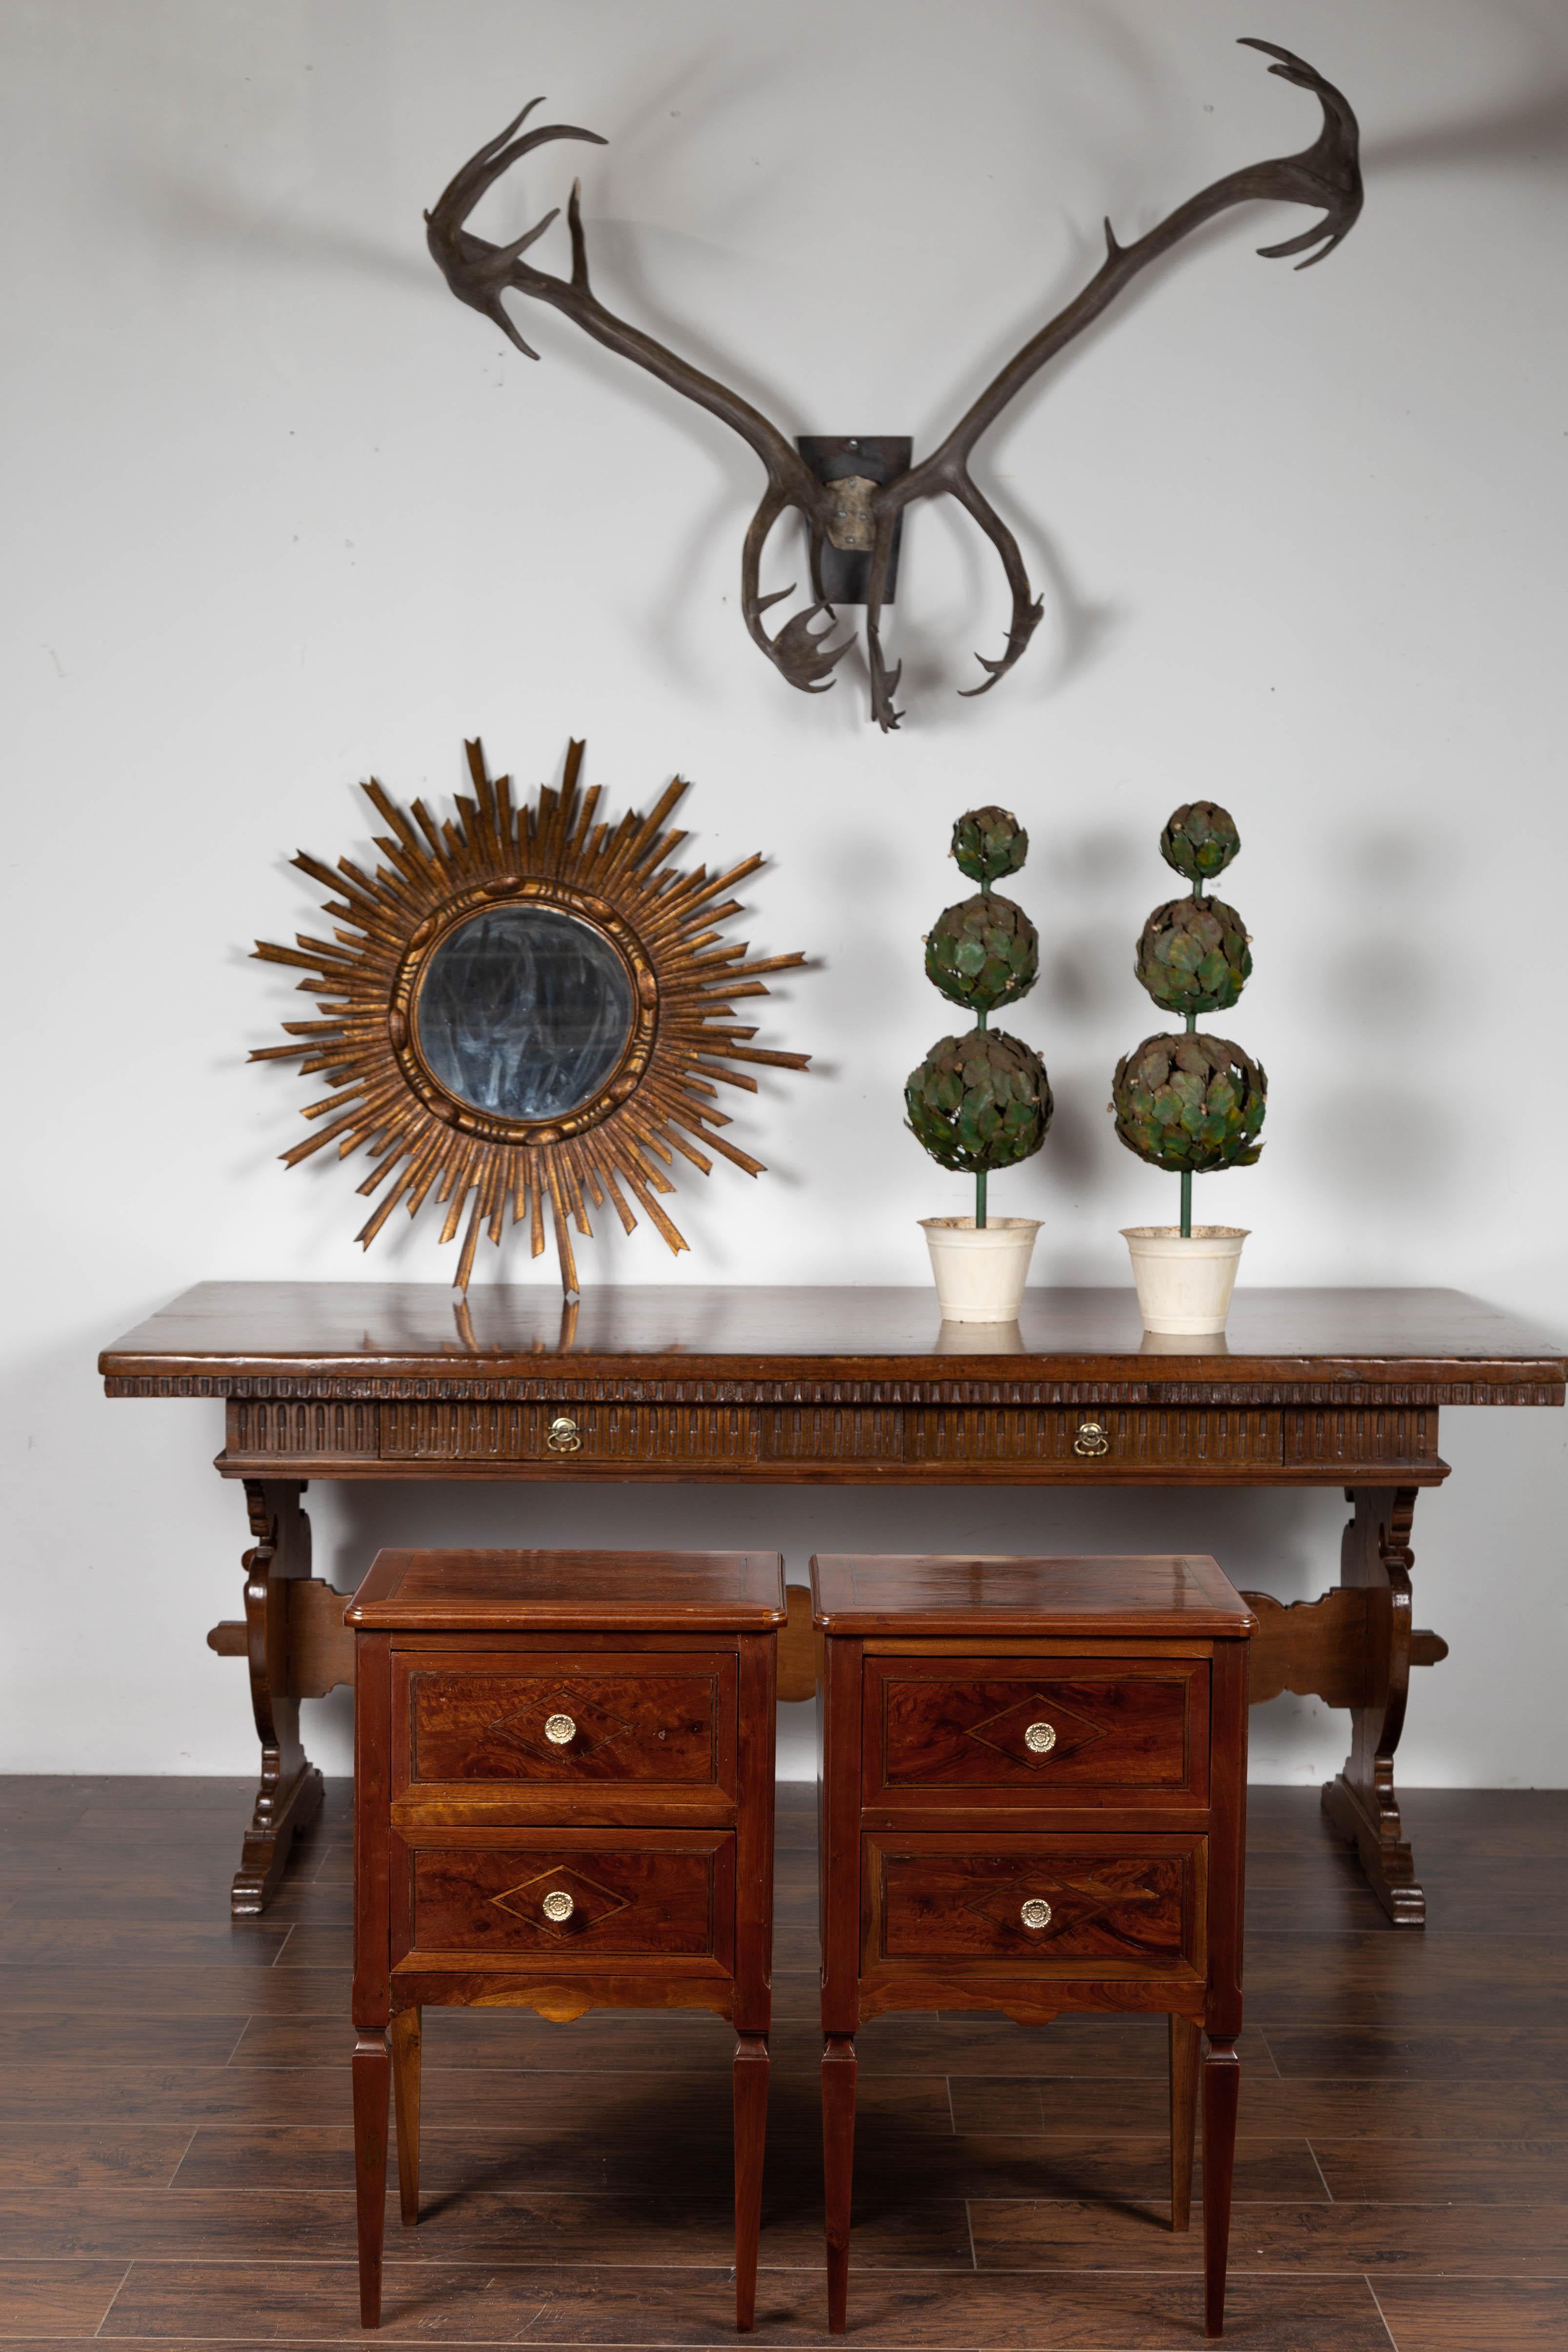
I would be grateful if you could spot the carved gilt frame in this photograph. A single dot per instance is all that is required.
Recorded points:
(658, 1098)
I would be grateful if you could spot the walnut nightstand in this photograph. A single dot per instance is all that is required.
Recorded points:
(563, 1800)
(1033, 1783)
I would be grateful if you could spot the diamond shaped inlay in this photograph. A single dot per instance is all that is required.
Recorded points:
(1008, 1732)
(1073, 1904)
(528, 1728)
(592, 1905)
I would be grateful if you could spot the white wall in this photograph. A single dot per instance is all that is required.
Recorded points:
(279, 514)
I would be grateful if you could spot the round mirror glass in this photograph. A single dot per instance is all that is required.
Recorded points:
(524, 1012)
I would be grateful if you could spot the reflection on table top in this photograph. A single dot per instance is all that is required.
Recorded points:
(233, 1330)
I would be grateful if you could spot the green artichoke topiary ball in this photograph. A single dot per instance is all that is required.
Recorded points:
(989, 843)
(1200, 841)
(979, 1102)
(1193, 956)
(983, 952)
(1190, 1102)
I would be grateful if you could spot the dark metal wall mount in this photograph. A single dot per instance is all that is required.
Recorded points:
(853, 512)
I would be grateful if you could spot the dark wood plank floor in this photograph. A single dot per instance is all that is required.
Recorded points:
(174, 2163)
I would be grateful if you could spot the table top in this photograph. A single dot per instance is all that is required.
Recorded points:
(373, 1338)
(907, 1595)
(582, 1591)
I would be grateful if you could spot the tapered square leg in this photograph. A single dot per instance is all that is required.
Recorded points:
(750, 2078)
(838, 2071)
(405, 2095)
(1222, 2090)
(371, 2083)
(1185, 2048)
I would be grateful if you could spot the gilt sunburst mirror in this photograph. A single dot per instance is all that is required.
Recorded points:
(525, 1009)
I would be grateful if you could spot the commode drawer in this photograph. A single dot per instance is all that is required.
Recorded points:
(1121, 1905)
(537, 1721)
(591, 1899)
(1074, 1731)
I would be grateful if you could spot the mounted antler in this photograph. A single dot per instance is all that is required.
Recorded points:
(1326, 174)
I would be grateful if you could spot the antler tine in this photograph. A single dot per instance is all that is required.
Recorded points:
(884, 681)
(496, 157)
(795, 653)
(798, 654)
(476, 271)
(1328, 172)
(1028, 608)
(468, 186)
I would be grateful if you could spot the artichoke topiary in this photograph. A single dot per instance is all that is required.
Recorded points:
(989, 843)
(1200, 841)
(1190, 1103)
(982, 1101)
(983, 952)
(1193, 956)
(979, 1102)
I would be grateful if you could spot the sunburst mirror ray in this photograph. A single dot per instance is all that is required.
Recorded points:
(526, 1006)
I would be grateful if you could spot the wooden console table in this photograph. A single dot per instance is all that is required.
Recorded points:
(839, 1386)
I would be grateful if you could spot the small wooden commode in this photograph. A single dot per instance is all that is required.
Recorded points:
(1033, 1800)
(563, 1800)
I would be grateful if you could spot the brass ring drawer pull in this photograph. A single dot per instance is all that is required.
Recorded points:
(558, 1904)
(1091, 1439)
(560, 1730)
(1041, 1737)
(1036, 1913)
(565, 1437)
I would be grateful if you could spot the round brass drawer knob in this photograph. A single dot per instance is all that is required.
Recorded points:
(1037, 1913)
(558, 1904)
(1041, 1737)
(1090, 1440)
(560, 1730)
(564, 1436)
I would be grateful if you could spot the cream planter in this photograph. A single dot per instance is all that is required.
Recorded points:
(1185, 1280)
(980, 1270)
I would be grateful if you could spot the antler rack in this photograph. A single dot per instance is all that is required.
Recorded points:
(1326, 176)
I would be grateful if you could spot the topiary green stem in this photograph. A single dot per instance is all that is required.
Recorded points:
(980, 1172)
(1186, 1172)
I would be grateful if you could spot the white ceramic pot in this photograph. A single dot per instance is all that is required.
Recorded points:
(1185, 1280)
(980, 1270)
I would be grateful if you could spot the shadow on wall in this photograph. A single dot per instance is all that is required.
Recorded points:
(1532, 129)
(1286, 1543)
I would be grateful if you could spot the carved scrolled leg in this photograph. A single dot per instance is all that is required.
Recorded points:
(290, 1795)
(1376, 1558)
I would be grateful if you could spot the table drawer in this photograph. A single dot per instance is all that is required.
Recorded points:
(1034, 1903)
(564, 1722)
(592, 1899)
(569, 1434)
(1080, 1441)
(1037, 1731)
